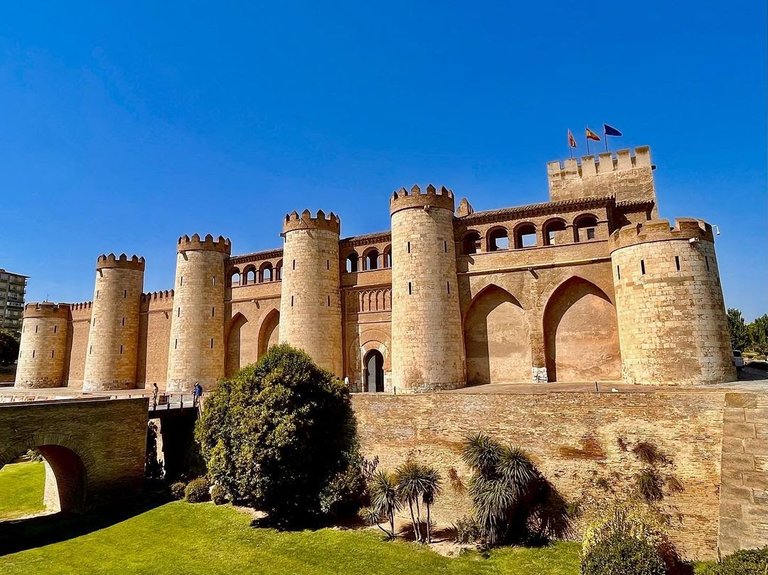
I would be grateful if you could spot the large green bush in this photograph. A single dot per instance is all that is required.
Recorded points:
(278, 434)
(622, 554)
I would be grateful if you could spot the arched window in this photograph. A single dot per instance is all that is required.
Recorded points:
(234, 279)
(585, 228)
(351, 262)
(249, 275)
(371, 259)
(554, 232)
(470, 243)
(498, 239)
(266, 272)
(525, 236)
(279, 271)
(386, 257)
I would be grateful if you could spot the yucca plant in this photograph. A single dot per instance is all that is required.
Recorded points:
(410, 489)
(384, 499)
(432, 488)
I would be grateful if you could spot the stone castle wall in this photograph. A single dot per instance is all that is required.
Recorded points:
(154, 336)
(427, 346)
(581, 442)
(310, 303)
(113, 336)
(672, 323)
(44, 332)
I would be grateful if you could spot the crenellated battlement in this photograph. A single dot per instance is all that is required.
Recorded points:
(661, 231)
(208, 243)
(105, 261)
(431, 197)
(604, 163)
(157, 295)
(81, 305)
(46, 309)
(294, 221)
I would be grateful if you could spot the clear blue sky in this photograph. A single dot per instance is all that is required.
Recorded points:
(126, 124)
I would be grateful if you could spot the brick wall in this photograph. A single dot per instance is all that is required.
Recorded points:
(572, 437)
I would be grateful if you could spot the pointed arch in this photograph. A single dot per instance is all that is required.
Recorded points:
(269, 333)
(497, 338)
(581, 333)
(235, 347)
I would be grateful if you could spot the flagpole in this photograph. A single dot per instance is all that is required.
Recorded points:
(587, 138)
(605, 137)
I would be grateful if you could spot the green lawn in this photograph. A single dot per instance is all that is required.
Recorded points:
(185, 538)
(21, 489)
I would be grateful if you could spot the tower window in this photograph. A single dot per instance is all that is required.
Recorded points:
(121, 350)
(291, 301)
(97, 294)
(33, 353)
(90, 350)
(448, 285)
(211, 343)
(327, 264)
(408, 247)
(642, 267)
(677, 262)
(53, 353)
(329, 301)
(37, 326)
(213, 312)
(122, 322)
(178, 312)
(293, 264)
(55, 328)
(410, 288)
(125, 293)
(618, 272)
(181, 280)
(590, 233)
(706, 260)
(213, 280)
(94, 322)
(175, 343)
(445, 246)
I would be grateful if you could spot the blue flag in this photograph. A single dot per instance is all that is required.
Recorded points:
(610, 130)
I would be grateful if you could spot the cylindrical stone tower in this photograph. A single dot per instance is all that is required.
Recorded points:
(427, 343)
(310, 304)
(43, 349)
(673, 327)
(113, 337)
(196, 353)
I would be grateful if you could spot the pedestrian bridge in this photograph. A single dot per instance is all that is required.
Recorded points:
(94, 448)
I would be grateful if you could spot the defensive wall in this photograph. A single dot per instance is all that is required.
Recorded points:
(582, 441)
(93, 448)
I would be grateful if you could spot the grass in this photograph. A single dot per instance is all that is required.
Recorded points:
(21, 489)
(206, 539)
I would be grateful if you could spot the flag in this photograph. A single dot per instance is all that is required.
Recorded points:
(610, 130)
(571, 140)
(592, 136)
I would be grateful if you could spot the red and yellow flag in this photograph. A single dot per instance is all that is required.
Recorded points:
(592, 136)
(571, 140)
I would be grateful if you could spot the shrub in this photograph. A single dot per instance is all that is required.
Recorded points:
(467, 530)
(278, 434)
(218, 495)
(177, 490)
(745, 562)
(619, 554)
(198, 490)
(633, 520)
(648, 453)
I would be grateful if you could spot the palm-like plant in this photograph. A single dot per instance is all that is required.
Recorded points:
(431, 480)
(506, 489)
(384, 498)
(410, 488)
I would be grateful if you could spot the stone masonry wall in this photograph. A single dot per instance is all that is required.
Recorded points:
(574, 438)
(744, 492)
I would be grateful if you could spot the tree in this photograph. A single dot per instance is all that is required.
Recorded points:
(432, 489)
(277, 435)
(512, 499)
(410, 488)
(9, 347)
(758, 335)
(738, 330)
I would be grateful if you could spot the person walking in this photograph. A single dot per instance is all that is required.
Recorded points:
(197, 394)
